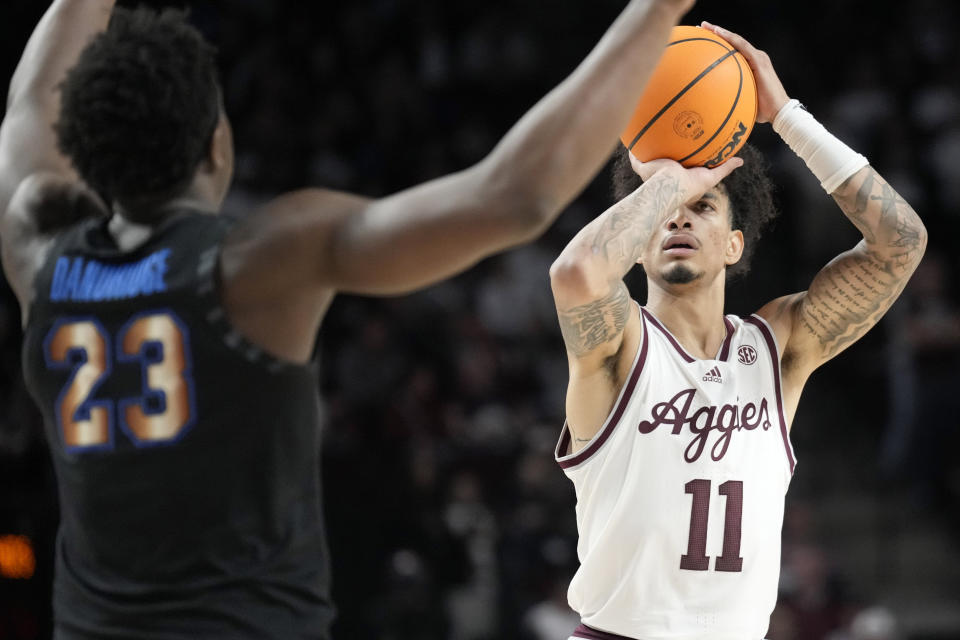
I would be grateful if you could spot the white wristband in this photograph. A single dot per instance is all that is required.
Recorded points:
(827, 157)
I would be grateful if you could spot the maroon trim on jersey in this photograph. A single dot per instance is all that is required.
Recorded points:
(583, 631)
(621, 406)
(761, 324)
(724, 348)
(669, 336)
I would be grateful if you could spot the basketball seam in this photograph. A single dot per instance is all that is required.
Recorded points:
(687, 88)
(716, 42)
(736, 101)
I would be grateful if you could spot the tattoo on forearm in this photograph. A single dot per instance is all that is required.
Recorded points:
(588, 326)
(857, 207)
(626, 228)
(851, 294)
(908, 235)
(890, 203)
(891, 225)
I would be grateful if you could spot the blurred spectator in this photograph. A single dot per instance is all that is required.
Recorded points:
(783, 624)
(873, 623)
(473, 605)
(812, 597)
(551, 618)
(924, 365)
(407, 609)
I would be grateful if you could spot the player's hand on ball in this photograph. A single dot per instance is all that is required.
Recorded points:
(771, 96)
(693, 181)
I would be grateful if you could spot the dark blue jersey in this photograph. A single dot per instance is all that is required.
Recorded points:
(187, 459)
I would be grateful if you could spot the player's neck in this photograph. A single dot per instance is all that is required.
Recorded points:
(129, 234)
(694, 315)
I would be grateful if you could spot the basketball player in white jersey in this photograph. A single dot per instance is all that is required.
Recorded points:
(678, 417)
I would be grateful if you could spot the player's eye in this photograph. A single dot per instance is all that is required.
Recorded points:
(705, 205)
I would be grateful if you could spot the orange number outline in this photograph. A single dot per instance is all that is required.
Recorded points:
(84, 424)
(165, 410)
(83, 344)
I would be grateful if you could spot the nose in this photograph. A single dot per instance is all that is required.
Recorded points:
(679, 220)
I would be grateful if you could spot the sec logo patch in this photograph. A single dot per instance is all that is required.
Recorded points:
(746, 354)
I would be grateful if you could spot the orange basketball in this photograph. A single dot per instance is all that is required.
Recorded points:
(700, 105)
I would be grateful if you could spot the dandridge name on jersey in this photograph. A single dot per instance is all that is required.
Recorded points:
(82, 279)
(725, 420)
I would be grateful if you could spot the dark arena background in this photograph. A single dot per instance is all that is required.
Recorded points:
(448, 518)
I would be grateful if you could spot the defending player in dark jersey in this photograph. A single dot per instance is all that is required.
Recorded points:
(172, 353)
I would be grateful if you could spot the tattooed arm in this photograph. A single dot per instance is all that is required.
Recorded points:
(853, 291)
(601, 327)
(856, 288)
(587, 279)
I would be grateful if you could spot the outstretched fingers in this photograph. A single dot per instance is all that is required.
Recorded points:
(646, 169)
(771, 96)
(695, 181)
(721, 171)
(738, 41)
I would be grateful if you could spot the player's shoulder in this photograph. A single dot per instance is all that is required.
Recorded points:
(43, 206)
(46, 202)
(780, 316)
(291, 217)
(317, 201)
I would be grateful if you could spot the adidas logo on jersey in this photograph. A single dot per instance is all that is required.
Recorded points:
(713, 376)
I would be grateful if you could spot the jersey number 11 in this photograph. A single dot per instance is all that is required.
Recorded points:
(696, 558)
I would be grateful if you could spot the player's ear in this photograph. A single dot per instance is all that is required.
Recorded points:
(734, 248)
(220, 153)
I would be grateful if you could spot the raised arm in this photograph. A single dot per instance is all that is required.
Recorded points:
(600, 325)
(427, 233)
(853, 291)
(39, 190)
(27, 141)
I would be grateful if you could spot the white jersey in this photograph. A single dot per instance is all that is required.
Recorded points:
(680, 494)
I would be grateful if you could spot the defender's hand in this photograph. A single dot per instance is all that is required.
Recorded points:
(694, 181)
(771, 96)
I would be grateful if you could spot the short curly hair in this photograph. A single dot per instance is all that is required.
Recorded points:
(140, 107)
(749, 189)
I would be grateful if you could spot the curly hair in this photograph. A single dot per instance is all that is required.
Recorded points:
(749, 189)
(140, 107)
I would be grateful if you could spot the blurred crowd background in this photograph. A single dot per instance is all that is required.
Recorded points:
(448, 518)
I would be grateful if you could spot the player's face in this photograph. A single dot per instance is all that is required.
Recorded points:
(694, 244)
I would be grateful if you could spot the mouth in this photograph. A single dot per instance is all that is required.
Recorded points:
(680, 245)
